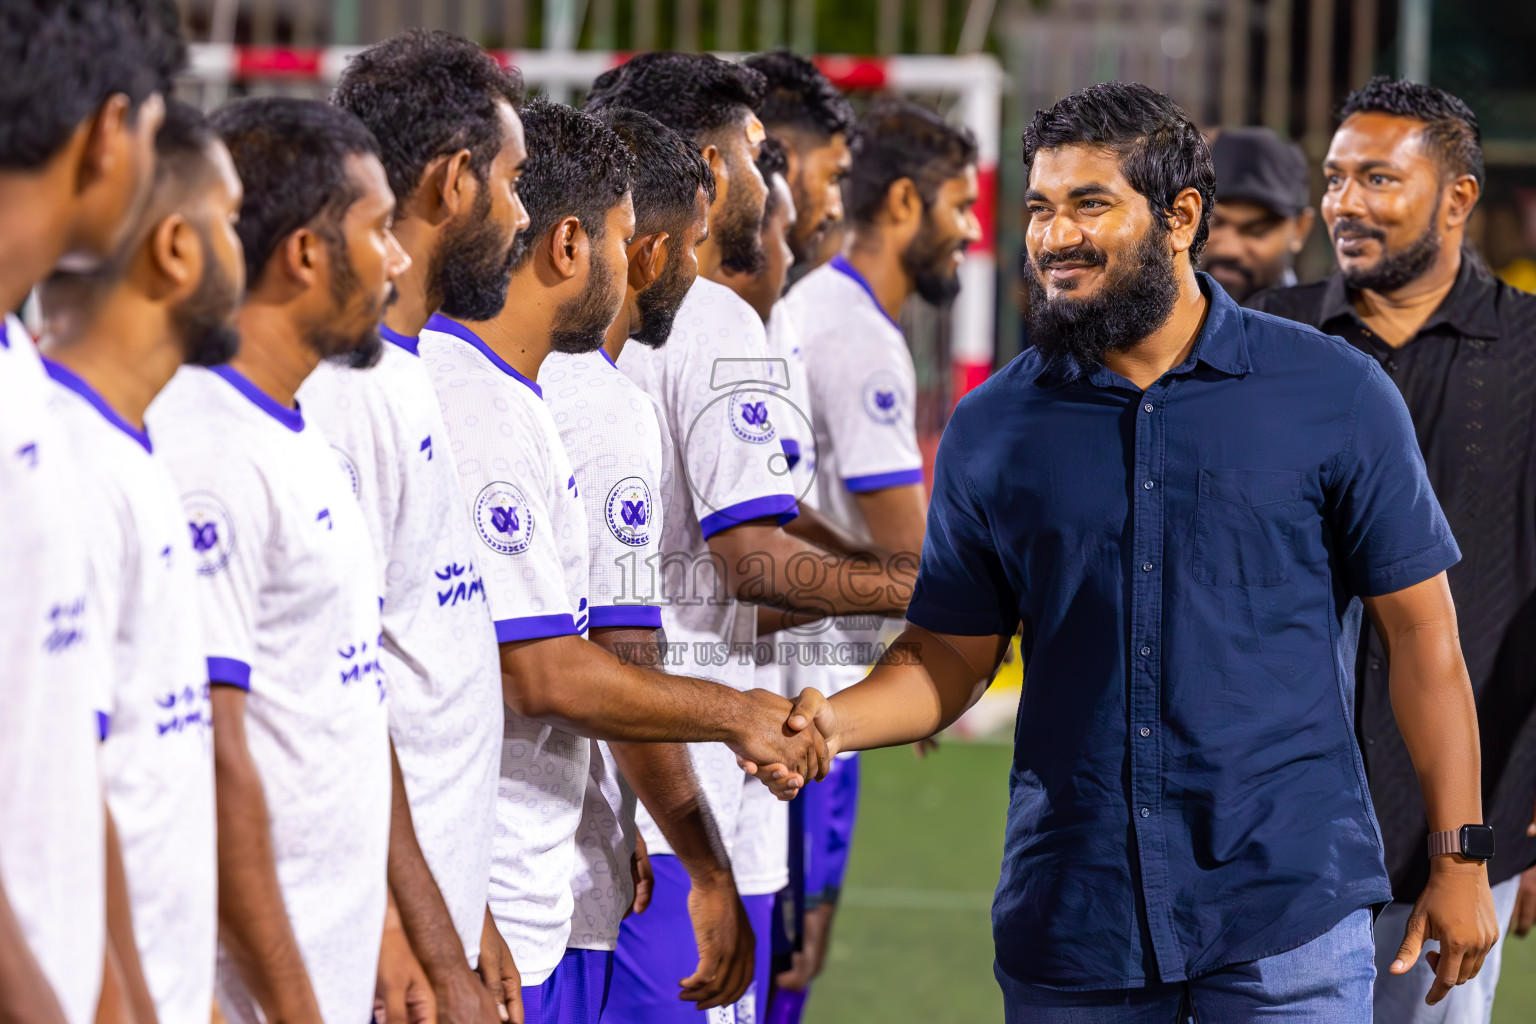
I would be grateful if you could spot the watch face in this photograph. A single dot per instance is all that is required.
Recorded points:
(1477, 841)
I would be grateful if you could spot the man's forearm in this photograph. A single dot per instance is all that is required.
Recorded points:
(25, 995)
(765, 565)
(120, 931)
(423, 912)
(1432, 700)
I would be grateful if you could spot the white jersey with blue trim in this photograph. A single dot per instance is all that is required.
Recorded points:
(52, 844)
(863, 388)
(157, 757)
(289, 591)
(797, 425)
(720, 393)
(618, 445)
(524, 505)
(439, 644)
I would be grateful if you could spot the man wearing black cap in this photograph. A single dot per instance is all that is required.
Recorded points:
(1261, 219)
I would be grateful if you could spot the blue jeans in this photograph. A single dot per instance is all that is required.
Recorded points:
(1325, 981)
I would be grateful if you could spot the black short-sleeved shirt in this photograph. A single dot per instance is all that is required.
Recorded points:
(1469, 379)
(1184, 559)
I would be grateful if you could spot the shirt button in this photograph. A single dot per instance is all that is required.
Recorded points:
(1145, 812)
(1148, 485)
(1147, 407)
(1146, 651)
(1146, 566)
(1145, 732)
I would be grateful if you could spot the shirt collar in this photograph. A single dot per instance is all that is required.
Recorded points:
(842, 266)
(293, 418)
(1467, 309)
(458, 330)
(1221, 345)
(405, 341)
(67, 377)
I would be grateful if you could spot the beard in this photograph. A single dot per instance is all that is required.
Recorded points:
(581, 324)
(473, 267)
(740, 233)
(803, 245)
(1396, 268)
(202, 323)
(359, 349)
(659, 303)
(1130, 305)
(927, 259)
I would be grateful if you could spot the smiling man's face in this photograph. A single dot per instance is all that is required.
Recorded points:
(1085, 220)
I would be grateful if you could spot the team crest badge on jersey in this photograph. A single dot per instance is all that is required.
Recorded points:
(503, 518)
(348, 468)
(629, 511)
(883, 397)
(748, 410)
(212, 529)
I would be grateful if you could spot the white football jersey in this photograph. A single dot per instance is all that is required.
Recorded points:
(52, 844)
(157, 759)
(797, 425)
(720, 393)
(863, 387)
(614, 435)
(439, 645)
(523, 504)
(289, 591)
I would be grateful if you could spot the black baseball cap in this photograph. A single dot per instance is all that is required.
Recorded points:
(1257, 166)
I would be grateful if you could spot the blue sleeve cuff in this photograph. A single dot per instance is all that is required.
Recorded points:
(880, 481)
(780, 506)
(535, 627)
(103, 725)
(1401, 575)
(636, 616)
(791, 450)
(229, 672)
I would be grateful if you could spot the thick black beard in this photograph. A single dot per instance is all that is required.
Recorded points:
(202, 323)
(361, 351)
(740, 233)
(1131, 304)
(581, 324)
(474, 266)
(927, 259)
(1396, 269)
(659, 302)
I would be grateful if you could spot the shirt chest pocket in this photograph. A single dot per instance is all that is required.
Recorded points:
(1244, 522)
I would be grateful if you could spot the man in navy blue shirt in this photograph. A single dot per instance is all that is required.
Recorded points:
(1181, 502)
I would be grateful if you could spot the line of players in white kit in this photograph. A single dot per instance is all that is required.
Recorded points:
(418, 476)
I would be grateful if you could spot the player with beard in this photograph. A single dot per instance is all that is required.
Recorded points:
(82, 86)
(452, 144)
(719, 388)
(1189, 830)
(561, 878)
(115, 337)
(807, 113)
(1403, 173)
(289, 586)
(910, 195)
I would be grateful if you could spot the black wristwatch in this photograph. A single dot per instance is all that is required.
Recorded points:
(1474, 842)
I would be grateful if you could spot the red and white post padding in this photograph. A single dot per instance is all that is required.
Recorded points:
(976, 79)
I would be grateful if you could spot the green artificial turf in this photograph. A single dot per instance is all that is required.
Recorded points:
(913, 940)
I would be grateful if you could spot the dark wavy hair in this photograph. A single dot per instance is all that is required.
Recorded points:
(577, 166)
(899, 139)
(1161, 151)
(1451, 133)
(60, 60)
(425, 93)
(800, 96)
(668, 171)
(291, 155)
(691, 93)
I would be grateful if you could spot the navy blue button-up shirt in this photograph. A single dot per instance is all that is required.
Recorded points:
(1186, 790)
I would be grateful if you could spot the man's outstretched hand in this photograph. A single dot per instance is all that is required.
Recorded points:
(781, 755)
(809, 715)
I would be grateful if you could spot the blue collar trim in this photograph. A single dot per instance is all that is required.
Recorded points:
(843, 266)
(608, 357)
(293, 418)
(396, 338)
(72, 380)
(446, 326)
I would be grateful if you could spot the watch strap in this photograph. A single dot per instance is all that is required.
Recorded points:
(1445, 842)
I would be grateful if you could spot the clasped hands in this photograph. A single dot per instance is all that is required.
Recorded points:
(786, 743)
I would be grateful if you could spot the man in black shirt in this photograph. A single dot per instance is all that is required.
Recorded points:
(1402, 175)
